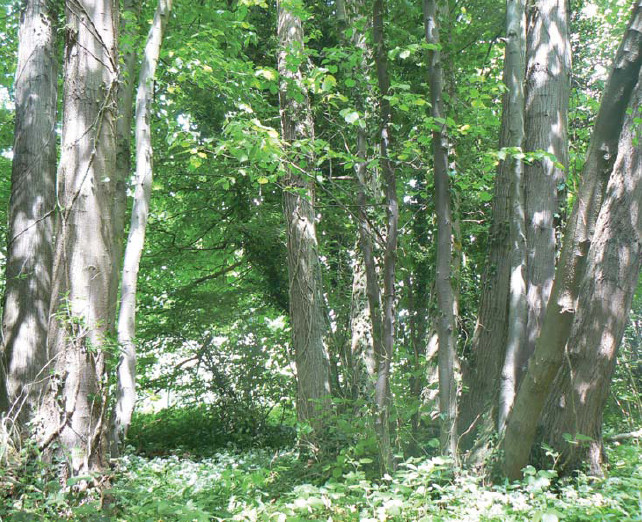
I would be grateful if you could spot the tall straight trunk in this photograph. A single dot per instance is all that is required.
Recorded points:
(126, 391)
(446, 327)
(382, 386)
(581, 388)
(128, 31)
(548, 356)
(491, 332)
(548, 68)
(31, 213)
(304, 271)
(513, 136)
(71, 419)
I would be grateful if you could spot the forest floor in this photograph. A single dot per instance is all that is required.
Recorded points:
(263, 484)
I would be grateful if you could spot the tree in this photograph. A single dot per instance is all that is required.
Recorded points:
(446, 326)
(384, 357)
(304, 272)
(126, 392)
(31, 213)
(578, 237)
(71, 420)
(547, 90)
(513, 136)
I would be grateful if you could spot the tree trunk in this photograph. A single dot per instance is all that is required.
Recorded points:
(513, 136)
(126, 391)
(71, 419)
(128, 31)
(31, 213)
(548, 357)
(445, 294)
(581, 388)
(548, 69)
(304, 272)
(382, 386)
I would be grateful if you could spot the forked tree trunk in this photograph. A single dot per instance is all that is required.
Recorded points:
(581, 388)
(384, 358)
(548, 69)
(126, 391)
(446, 326)
(31, 214)
(548, 356)
(72, 418)
(304, 271)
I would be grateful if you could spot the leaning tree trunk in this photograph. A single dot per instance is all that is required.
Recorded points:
(446, 326)
(548, 68)
(304, 271)
(31, 213)
(548, 356)
(581, 389)
(513, 136)
(384, 358)
(71, 420)
(126, 391)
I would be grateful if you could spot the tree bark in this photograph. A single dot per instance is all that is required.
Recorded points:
(548, 69)
(446, 326)
(71, 420)
(581, 388)
(548, 357)
(513, 136)
(304, 273)
(126, 371)
(31, 214)
(382, 386)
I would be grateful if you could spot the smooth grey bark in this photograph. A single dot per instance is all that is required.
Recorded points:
(384, 358)
(446, 326)
(581, 388)
(513, 136)
(71, 420)
(547, 90)
(126, 371)
(548, 356)
(128, 33)
(31, 214)
(304, 274)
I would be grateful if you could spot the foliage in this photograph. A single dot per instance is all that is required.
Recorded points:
(263, 484)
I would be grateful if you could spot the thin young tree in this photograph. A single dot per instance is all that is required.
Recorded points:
(31, 213)
(446, 325)
(384, 358)
(126, 371)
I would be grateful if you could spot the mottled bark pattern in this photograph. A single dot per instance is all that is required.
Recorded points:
(513, 136)
(31, 213)
(548, 356)
(72, 418)
(580, 390)
(548, 69)
(305, 290)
